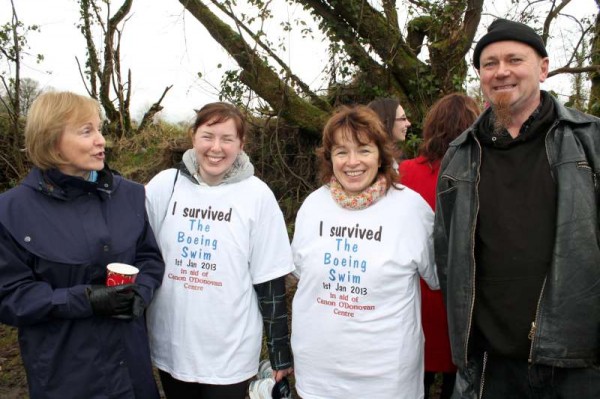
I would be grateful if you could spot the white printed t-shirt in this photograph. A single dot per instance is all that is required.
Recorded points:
(217, 242)
(356, 318)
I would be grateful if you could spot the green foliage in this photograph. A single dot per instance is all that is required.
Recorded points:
(13, 161)
(10, 51)
(594, 108)
(13, 50)
(410, 147)
(427, 84)
(232, 89)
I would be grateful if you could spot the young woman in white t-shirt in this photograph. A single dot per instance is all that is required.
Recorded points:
(361, 243)
(226, 251)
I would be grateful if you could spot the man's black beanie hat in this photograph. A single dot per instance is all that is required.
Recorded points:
(503, 29)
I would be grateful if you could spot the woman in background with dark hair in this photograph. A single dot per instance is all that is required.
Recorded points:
(394, 121)
(446, 119)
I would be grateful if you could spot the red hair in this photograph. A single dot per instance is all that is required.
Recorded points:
(447, 119)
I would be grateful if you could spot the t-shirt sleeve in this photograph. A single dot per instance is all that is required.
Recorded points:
(158, 194)
(427, 267)
(297, 243)
(270, 252)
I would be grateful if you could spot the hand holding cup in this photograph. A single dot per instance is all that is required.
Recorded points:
(119, 298)
(120, 274)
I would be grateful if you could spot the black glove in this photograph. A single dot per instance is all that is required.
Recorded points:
(112, 301)
(138, 306)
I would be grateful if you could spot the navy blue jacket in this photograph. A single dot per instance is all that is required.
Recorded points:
(57, 234)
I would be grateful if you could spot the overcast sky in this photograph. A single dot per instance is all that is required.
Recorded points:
(163, 45)
(154, 48)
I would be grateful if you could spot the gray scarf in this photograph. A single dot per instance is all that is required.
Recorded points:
(241, 169)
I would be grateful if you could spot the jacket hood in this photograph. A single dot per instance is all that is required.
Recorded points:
(241, 169)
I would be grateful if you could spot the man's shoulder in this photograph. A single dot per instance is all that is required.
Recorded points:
(463, 139)
(584, 128)
(462, 144)
(467, 138)
(575, 116)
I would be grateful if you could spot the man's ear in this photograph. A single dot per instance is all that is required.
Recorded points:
(544, 66)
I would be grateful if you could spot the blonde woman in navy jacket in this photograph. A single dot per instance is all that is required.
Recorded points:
(59, 228)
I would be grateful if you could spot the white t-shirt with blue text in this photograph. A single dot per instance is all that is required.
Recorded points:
(217, 242)
(356, 315)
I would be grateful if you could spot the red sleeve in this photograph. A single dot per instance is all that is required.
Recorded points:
(421, 176)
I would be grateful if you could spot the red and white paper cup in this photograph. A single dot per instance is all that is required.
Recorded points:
(120, 274)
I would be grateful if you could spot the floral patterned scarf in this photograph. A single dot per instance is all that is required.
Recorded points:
(362, 200)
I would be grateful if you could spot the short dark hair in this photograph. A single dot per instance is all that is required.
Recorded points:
(386, 109)
(218, 112)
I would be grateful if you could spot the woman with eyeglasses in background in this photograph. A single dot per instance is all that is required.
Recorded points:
(394, 121)
(360, 244)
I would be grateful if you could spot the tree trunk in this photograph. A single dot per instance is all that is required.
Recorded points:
(594, 103)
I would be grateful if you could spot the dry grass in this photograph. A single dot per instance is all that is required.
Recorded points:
(13, 382)
(141, 157)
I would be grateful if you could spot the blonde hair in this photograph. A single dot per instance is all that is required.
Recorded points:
(47, 119)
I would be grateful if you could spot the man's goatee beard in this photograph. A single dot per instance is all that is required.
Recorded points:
(502, 114)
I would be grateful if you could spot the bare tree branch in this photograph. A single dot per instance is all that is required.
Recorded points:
(370, 26)
(550, 17)
(594, 103)
(83, 79)
(15, 96)
(580, 42)
(368, 45)
(93, 63)
(573, 70)
(153, 110)
(109, 67)
(257, 74)
(303, 86)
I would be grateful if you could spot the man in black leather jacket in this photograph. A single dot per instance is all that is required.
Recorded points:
(517, 235)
